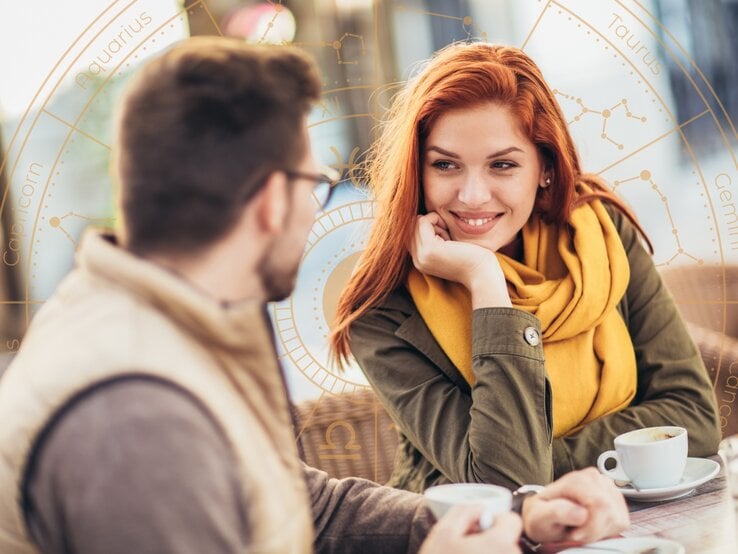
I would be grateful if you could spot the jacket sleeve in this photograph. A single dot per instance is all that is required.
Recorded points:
(356, 515)
(673, 385)
(500, 431)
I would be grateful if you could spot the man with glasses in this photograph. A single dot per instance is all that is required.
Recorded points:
(146, 411)
(325, 183)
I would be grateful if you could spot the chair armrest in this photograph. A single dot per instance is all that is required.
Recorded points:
(720, 354)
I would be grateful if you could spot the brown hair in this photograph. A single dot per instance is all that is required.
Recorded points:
(460, 75)
(200, 130)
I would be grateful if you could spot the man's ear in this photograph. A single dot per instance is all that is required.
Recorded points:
(271, 203)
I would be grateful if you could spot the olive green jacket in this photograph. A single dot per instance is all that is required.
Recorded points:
(500, 430)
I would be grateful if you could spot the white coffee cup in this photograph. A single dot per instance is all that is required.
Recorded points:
(649, 458)
(493, 499)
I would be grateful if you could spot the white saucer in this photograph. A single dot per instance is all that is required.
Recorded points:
(696, 472)
(631, 544)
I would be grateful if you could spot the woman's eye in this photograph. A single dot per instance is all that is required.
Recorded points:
(503, 165)
(443, 165)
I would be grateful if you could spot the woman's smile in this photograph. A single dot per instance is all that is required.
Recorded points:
(471, 223)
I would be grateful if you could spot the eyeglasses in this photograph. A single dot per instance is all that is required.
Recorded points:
(325, 183)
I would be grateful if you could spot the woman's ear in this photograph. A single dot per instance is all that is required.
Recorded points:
(546, 177)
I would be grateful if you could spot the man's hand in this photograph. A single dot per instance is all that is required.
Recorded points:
(458, 532)
(582, 506)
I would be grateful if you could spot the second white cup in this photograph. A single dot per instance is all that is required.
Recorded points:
(650, 458)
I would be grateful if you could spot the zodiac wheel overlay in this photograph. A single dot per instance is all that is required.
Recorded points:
(303, 321)
(628, 133)
(67, 124)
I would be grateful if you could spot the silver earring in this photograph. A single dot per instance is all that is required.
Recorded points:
(547, 182)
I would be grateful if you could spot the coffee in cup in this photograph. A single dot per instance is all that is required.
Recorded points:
(649, 458)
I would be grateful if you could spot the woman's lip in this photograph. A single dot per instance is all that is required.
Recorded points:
(488, 221)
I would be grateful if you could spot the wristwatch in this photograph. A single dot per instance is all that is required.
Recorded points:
(519, 497)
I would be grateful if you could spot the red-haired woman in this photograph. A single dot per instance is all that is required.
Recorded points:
(505, 310)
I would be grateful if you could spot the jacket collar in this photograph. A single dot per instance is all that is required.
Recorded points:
(238, 326)
(415, 332)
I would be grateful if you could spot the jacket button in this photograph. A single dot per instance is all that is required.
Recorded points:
(532, 336)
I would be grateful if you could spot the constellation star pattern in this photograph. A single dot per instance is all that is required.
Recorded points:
(605, 114)
(645, 175)
(57, 223)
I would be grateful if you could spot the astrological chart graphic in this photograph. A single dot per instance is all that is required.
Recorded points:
(628, 132)
(67, 122)
(324, 271)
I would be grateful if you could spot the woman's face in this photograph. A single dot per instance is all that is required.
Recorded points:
(481, 174)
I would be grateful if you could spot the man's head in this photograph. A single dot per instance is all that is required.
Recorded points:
(204, 130)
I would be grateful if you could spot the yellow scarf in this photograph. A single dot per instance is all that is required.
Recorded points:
(572, 281)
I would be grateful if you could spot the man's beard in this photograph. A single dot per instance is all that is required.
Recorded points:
(278, 277)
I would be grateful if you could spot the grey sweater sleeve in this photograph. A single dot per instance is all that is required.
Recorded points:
(135, 466)
(358, 516)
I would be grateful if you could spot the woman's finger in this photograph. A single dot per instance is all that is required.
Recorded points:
(425, 231)
(423, 235)
(433, 217)
(441, 232)
(441, 222)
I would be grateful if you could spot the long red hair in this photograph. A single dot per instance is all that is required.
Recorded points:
(458, 76)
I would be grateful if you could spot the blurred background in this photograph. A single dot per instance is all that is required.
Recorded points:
(649, 88)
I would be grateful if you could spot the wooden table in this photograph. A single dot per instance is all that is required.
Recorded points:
(705, 522)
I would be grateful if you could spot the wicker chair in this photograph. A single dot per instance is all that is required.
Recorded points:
(706, 297)
(347, 435)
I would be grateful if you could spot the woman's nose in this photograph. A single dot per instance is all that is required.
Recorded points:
(474, 190)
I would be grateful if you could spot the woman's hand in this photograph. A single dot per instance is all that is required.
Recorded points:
(458, 532)
(475, 267)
